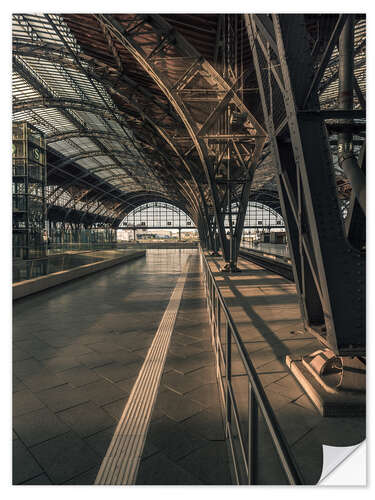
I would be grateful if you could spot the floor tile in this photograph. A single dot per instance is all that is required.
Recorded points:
(100, 441)
(173, 439)
(40, 480)
(210, 464)
(26, 367)
(24, 402)
(86, 419)
(37, 426)
(78, 376)
(178, 407)
(59, 363)
(116, 408)
(44, 380)
(62, 397)
(65, 456)
(207, 424)
(207, 395)
(85, 479)
(103, 392)
(25, 467)
(180, 383)
(159, 470)
(117, 371)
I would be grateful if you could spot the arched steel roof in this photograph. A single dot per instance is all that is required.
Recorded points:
(115, 124)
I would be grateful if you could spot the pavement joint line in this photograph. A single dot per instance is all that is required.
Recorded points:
(121, 462)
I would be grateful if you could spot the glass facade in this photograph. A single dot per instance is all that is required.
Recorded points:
(28, 193)
(63, 237)
(257, 216)
(157, 215)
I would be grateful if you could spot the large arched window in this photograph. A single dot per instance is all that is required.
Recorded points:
(264, 229)
(257, 216)
(157, 215)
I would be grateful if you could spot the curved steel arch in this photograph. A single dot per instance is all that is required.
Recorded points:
(43, 90)
(96, 153)
(50, 139)
(59, 54)
(143, 207)
(266, 207)
(268, 198)
(47, 52)
(101, 205)
(89, 154)
(55, 102)
(161, 28)
(139, 199)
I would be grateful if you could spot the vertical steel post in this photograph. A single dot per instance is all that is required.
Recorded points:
(329, 272)
(346, 156)
(252, 437)
(228, 370)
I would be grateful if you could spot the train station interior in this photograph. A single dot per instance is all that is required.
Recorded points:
(188, 247)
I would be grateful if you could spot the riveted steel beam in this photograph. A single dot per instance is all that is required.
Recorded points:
(329, 273)
(96, 108)
(158, 28)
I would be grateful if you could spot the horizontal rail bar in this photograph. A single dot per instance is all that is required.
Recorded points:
(279, 265)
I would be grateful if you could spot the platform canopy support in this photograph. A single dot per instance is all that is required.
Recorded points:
(329, 270)
(224, 139)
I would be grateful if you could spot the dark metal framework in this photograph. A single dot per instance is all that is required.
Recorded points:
(328, 258)
(204, 111)
(88, 107)
(155, 45)
(79, 119)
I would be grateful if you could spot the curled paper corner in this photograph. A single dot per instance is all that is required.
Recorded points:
(353, 470)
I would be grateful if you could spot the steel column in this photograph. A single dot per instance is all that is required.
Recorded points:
(329, 272)
(346, 156)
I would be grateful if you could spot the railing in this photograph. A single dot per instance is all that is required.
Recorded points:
(277, 249)
(59, 248)
(242, 434)
(275, 263)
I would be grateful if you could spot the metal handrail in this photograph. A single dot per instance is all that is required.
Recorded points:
(257, 397)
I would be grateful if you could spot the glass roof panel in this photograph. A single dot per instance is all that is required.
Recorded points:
(55, 94)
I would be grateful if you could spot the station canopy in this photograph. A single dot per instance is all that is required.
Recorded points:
(110, 128)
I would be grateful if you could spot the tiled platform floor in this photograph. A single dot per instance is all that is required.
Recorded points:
(186, 424)
(77, 351)
(265, 310)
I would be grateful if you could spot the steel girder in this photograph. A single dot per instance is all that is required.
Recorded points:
(112, 81)
(55, 54)
(166, 46)
(45, 92)
(346, 156)
(111, 109)
(65, 103)
(82, 178)
(329, 272)
(47, 98)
